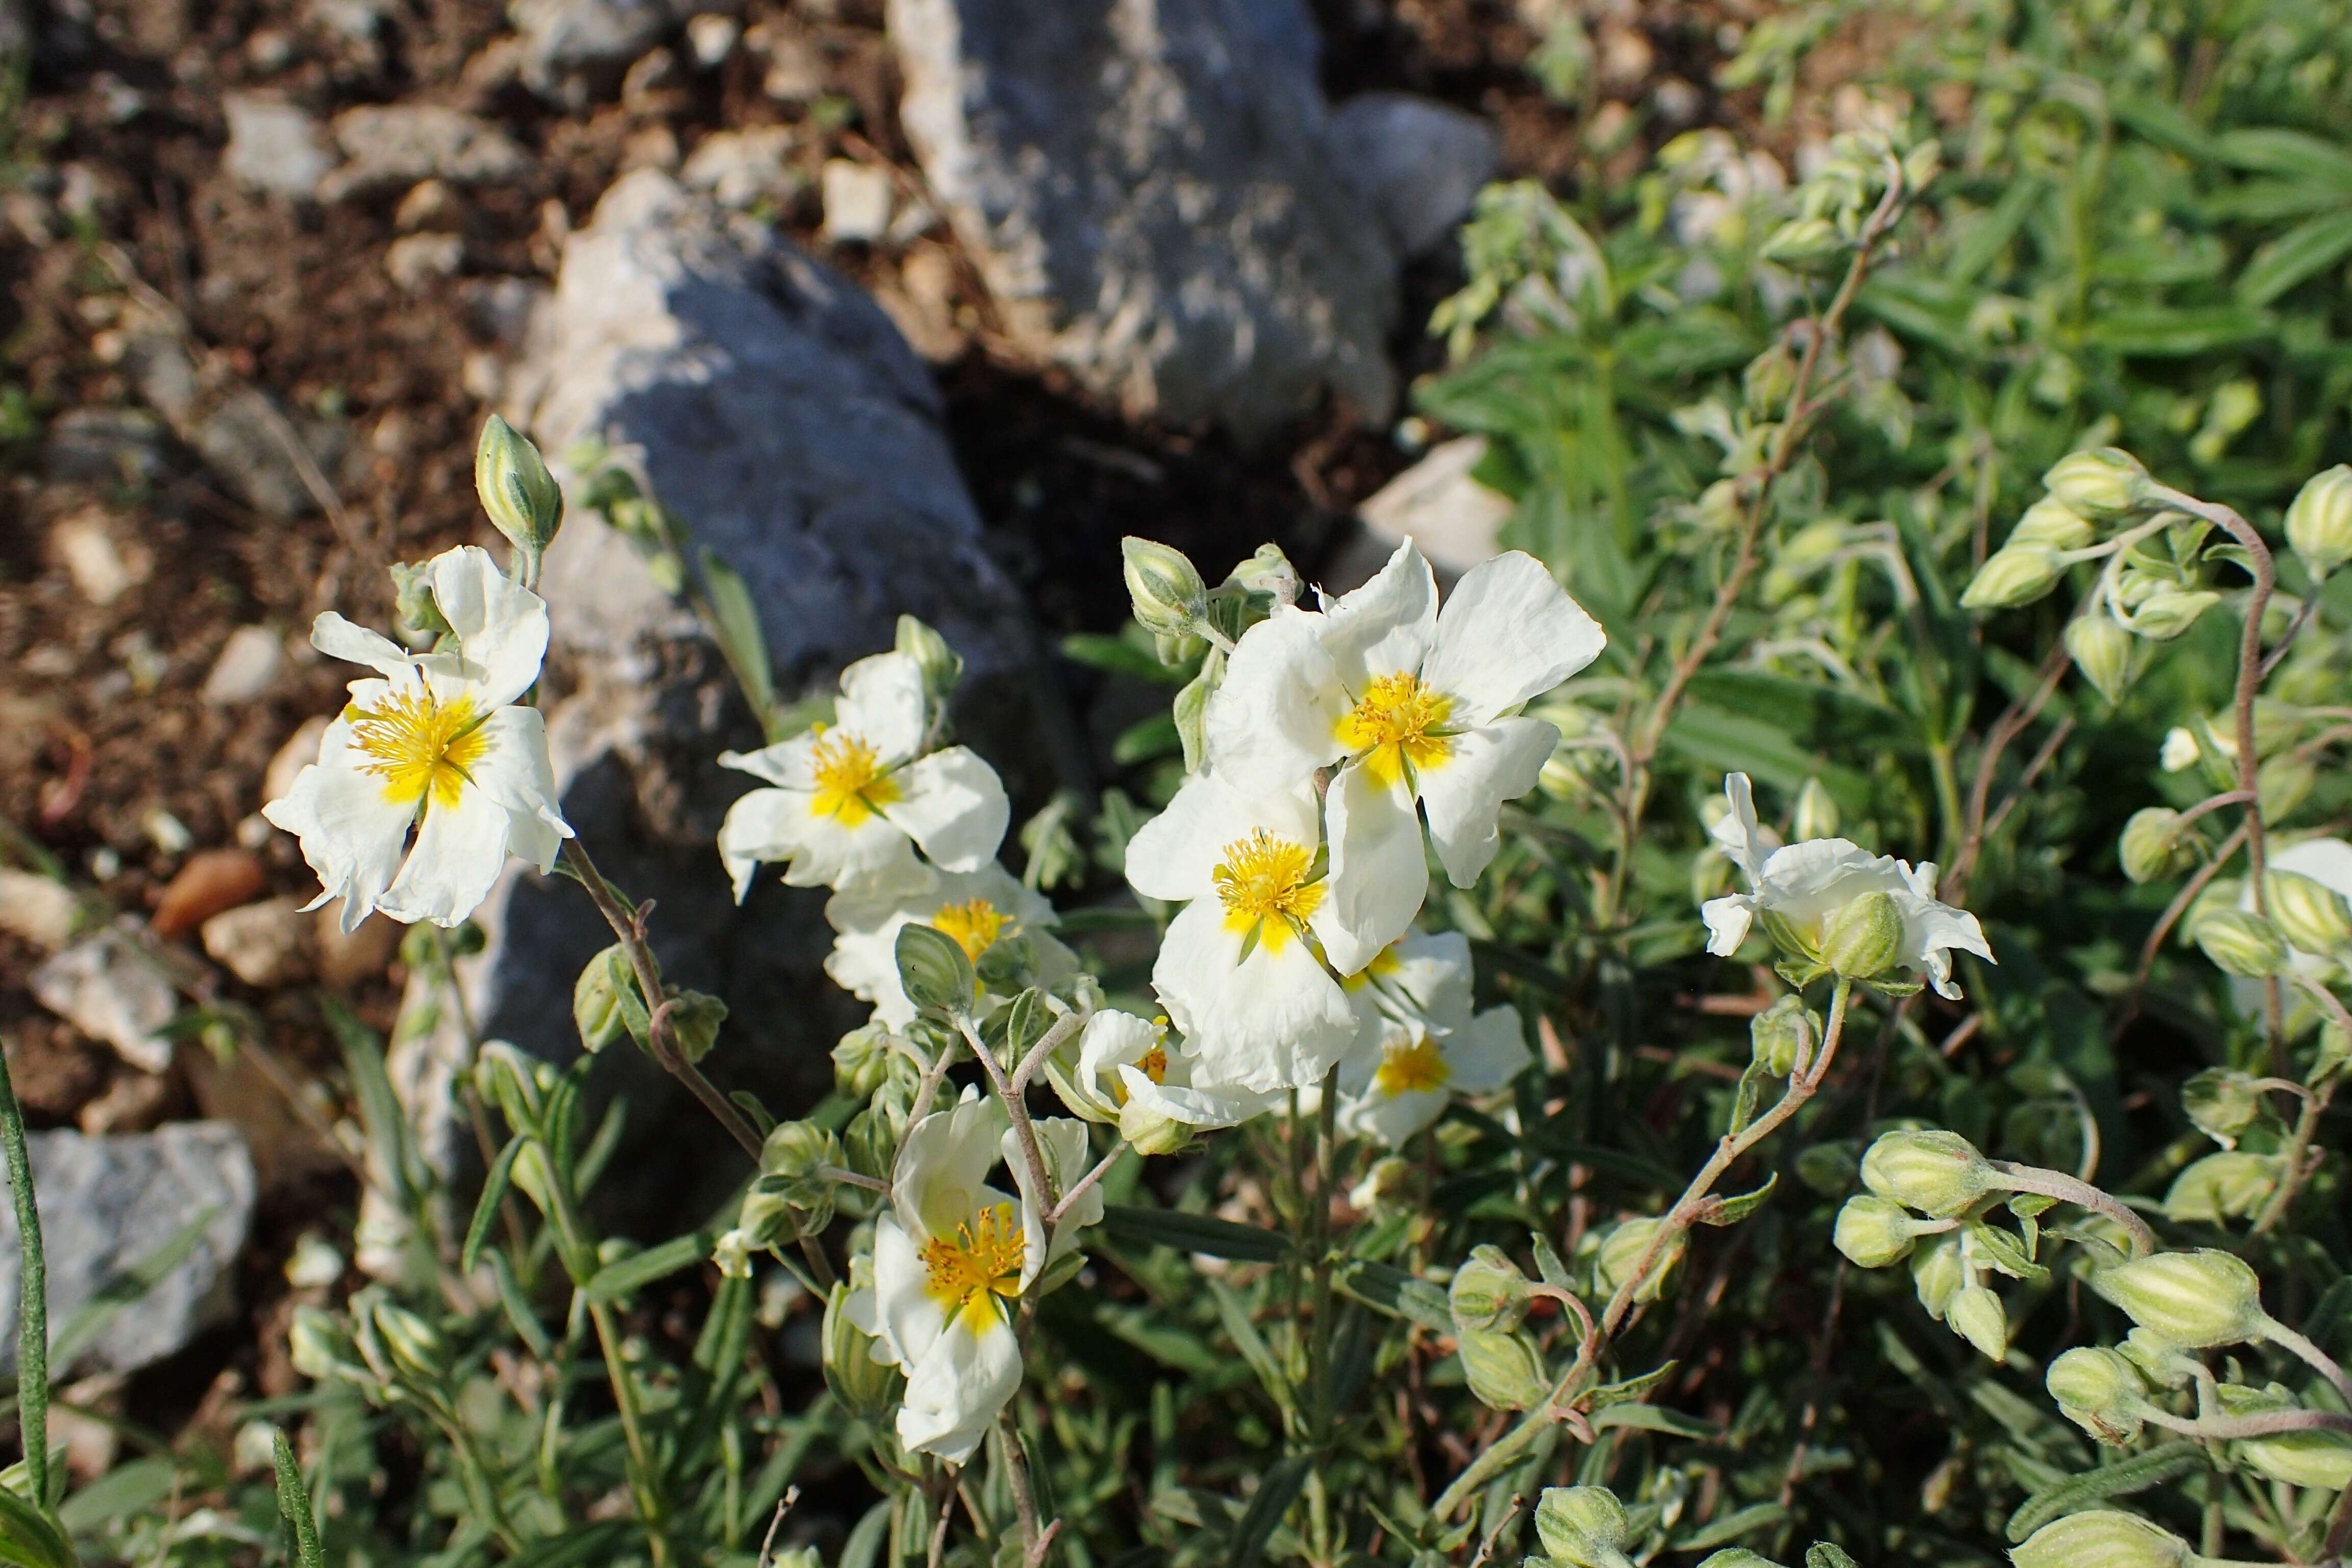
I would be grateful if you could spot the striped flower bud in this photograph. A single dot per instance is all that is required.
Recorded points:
(2100, 484)
(2319, 522)
(1582, 1527)
(2102, 1538)
(2192, 1299)
(1939, 1173)
(2100, 1391)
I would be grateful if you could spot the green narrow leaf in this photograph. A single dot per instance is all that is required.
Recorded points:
(518, 1308)
(1630, 1390)
(1271, 1501)
(1387, 1289)
(1650, 1419)
(1235, 1313)
(1128, 1226)
(739, 638)
(1732, 1526)
(638, 1270)
(1821, 1554)
(2137, 1474)
(294, 1503)
(27, 1537)
(486, 1209)
(2302, 252)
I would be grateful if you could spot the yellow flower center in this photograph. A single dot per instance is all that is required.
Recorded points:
(1262, 882)
(975, 925)
(1152, 1063)
(1408, 1069)
(850, 783)
(982, 1259)
(1390, 726)
(419, 747)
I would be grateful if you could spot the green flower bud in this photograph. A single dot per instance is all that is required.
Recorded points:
(694, 1020)
(1622, 1249)
(862, 1059)
(2159, 1360)
(1874, 1232)
(871, 1143)
(2100, 1391)
(2232, 1184)
(796, 1153)
(2101, 484)
(2103, 651)
(1939, 1272)
(2050, 523)
(2169, 612)
(2319, 1459)
(868, 1388)
(416, 1347)
(522, 498)
(1806, 244)
(419, 618)
(2102, 1539)
(1816, 814)
(604, 999)
(2222, 1103)
(1863, 938)
(1582, 1527)
(2310, 914)
(1780, 1035)
(2193, 1299)
(2243, 943)
(2284, 783)
(934, 970)
(1153, 1131)
(1488, 1293)
(1503, 1370)
(321, 1349)
(942, 666)
(2012, 575)
(2154, 845)
(1169, 595)
(1976, 1315)
(1267, 572)
(1939, 1173)
(513, 1082)
(2319, 522)
(1737, 1557)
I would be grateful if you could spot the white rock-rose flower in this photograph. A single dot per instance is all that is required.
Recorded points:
(978, 909)
(1802, 884)
(1126, 1074)
(853, 797)
(431, 775)
(1406, 1086)
(1421, 709)
(1238, 970)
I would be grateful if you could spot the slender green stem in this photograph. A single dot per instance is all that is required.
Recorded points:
(2301, 1346)
(33, 1305)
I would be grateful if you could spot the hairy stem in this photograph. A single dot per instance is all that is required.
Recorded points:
(2082, 1195)
(33, 1298)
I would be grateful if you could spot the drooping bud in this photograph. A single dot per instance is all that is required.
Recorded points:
(603, 999)
(861, 1061)
(2053, 524)
(1165, 586)
(942, 666)
(1936, 1173)
(1865, 938)
(522, 498)
(1937, 1272)
(796, 1154)
(1503, 1370)
(868, 1389)
(2310, 914)
(1488, 1292)
(1622, 1249)
(695, 1017)
(2102, 1538)
(2101, 484)
(2100, 1391)
(2012, 575)
(1976, 1315)
(2243, 943)
(2319, 1459)
(1816, 814)
(2193, 1299)
(2169, 612)
(1268, 572)
(1778, 1036)
(2319, 522)
(1582, 1527)
(2102, 651)
(2221, 1103)
(934, 970)
(413, 608)
(2232, 1184)
(2154, 845)
(1874, 1232)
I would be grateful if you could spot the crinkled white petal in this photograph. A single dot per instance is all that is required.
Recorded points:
(1272, 1020)
(459, 851)
(1808, 881)
(1175, 855)
(1068, 1156)
(502, 628)
(907, 1317)
(1274, 718)
(953, 805)
(882, 703)
(1728, 919)
(339, 638)
(1932, 933)
(1110, 1040)
(1188, 1103)
(1386, 626)
(954, 1393)
(1393, 1118)
(1508, 632)
(817, 851)
(941, 1179)
(1380, 872)
(515, 771)
(788, 763)
(1737, 833)
(1485, 767)
(353, 837)
(1487, 1052)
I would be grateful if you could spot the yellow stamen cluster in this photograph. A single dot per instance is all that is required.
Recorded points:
(984, 1258)
(1152, 1063)
(1390, 726)
(1262, 881)
(419, 747)
(850, 783)
(976, 924)
(1409, 1068)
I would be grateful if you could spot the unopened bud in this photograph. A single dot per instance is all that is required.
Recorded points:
(2319, 522)
(1864, 939)
(796, 1154)
(1936, 1173)
(2321, 1460)
(2053, 524)
(1805, 243)
(522, 498)
(695, 1017)
(1267, 572)
(934, 970)
(2102, 1538)
(415, 1346)
(1582, 1527)
(320, 1349)
(861, 1061)
(868, 1389)
(2103, 651)
(2161, 1362)
(1153, 1131)
(2100, 1391)
(2221, 1103)
(413, 608)
(1938, 1270)
(2310, 914)
(2101, 484)
(1816, 814)
(1780, 1035)
(1503, 1370)
(2154, 845)
(2232, 1184)
(2284, 783)
(2015, 574)
(942, 666)
(1622, 1249)
(602, 998)
(1874, 1232)
(2192, 1299)
(1488, 1292)
(1165, 586)
(1976, 1315)
(2169, 612)
(2243, 943)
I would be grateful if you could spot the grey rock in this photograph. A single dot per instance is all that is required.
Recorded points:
(571, 47)
(1455, 521)
(1419, 164)
(252, 443)
(263, 944)
(273, 146)
(107, 987)
(1147, 189)
(103, 446)
(418, 261)
(392, 146)
(115, 1206)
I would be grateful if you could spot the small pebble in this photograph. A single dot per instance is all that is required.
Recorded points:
(247, 666)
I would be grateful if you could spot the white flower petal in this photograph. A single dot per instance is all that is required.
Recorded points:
(1190, 1104)
(353, 837)
(1485, 768)
(941, 1179)
(1380, 872)
(1393, 1119)
(1175, 855)
(1487, 1052)
(788, 763)
(953, 805)
(782, 824)
(1386, 626)
(954, 1393)
(1433, 977)
(882, 703)
(1274, 719)
(1728, 919)
(1110, 1040)
(339, 638)
(1508, 632)
(501, 628)
(459, 851)
(908, 1319)
(1737, 833)
(1272, 1020)
(514, 770)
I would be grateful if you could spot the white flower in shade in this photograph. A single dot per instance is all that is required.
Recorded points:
(1124, 1073)
(1238, 970)
(951, 1257)
(1420, 705)
(978, 909)
(1417, 1071)
(431, 744)
(850, 795)
(1802, 886)
(1420, 977)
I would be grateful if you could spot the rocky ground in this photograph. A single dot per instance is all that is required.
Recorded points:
(912, 306)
